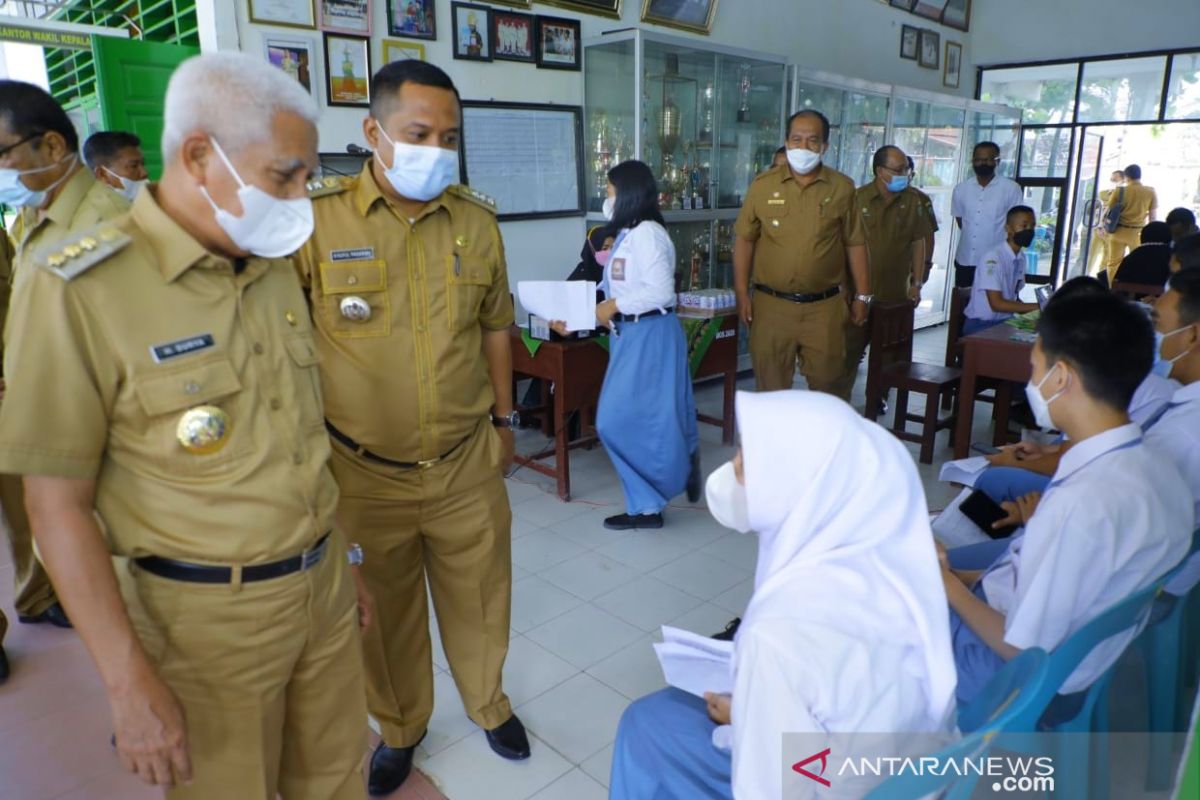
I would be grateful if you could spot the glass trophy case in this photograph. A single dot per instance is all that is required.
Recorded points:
(706, 120)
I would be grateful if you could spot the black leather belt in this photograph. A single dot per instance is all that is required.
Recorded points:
(799, 298)
(363, 452)
(635, 317)
(203, 573)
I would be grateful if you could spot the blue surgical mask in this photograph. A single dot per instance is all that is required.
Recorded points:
(1163, 366)
(419, 172)
(898, 183)
(13, 192)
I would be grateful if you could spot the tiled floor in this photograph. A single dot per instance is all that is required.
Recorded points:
(587, 604)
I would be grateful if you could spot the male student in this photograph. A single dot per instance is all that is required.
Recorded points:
(1086, 547)
(1001, 275)
(1185, 253)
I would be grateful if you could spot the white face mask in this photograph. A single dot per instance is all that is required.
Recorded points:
(1041, 405)
(727, 499)
(129, 188)
(419, 172)
(610, 203)
(13, 192)
(268, 227)
(803, 160)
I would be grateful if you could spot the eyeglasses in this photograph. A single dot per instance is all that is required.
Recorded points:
(6, 150)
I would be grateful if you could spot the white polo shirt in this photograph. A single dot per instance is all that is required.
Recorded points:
(983, 211)
(1087, 547)
(641, 270)
(1152, 394)
(1176, 435)
(1000, 270)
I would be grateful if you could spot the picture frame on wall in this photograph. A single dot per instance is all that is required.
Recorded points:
(345, 16)
(401, 50)
(472, 31)
(412, 19)
(600, 8)
(689, 15)
(930, 49)
(957, 14)
(513, 3)
(952, 66)
(558, 43)
(904, 5)
(347, 70)
(910, 42)
(286, 13)
(514, 37)
(930, 9)
(293, 55)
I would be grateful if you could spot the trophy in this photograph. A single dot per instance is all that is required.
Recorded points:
(669, 120)
(744, 86)
(707, 103)
(602, 154)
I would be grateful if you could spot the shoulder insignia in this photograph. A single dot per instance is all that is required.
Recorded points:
(69, 258)
(473, 196)
(330, 184)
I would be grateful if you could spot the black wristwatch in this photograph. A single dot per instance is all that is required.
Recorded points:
(511, 421)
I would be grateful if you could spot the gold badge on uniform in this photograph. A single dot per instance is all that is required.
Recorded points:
(355, 309)
(203, 430)
(460, 241)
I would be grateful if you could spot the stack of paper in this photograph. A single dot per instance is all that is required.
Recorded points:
(696, 664)
(964, 471)
(573, 302)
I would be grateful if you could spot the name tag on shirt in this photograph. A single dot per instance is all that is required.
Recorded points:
(617, 273)
(182, 347)
(357, 254)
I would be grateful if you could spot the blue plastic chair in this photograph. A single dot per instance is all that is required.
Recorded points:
(1010, 701)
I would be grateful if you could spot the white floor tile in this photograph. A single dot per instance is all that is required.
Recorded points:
(449, 722)
(435, 642)
(584, 636)
(536, 601)
(589, 575)
(542, 549)
(587, 529)
(599, 766)
(634, 671)
(525, 485)
(692, 524)
(546, 509)
(701, 574)
(576, 718)
(739, 549)
(469, 770)
(647, 603)
(522, 527)
(531, 670)
(575, 785)
(705, 620)
(736, 599)
(645, 551)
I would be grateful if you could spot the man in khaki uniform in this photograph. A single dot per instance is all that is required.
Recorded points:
(5, 291)
(926, 203)
(896, 224)
(1139, 206)
(794, 235)
(409, 294)
(186, 413)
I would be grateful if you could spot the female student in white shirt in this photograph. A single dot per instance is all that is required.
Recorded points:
(847, 629)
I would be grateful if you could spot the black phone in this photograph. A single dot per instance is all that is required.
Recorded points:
(984, 511)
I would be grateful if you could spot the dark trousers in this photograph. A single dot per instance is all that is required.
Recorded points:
(964, 276)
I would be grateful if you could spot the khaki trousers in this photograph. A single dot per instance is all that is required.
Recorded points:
(34, 593)
(450, 525)
(813, 333)
(270, 677)
(857, 338)
(1116, 245)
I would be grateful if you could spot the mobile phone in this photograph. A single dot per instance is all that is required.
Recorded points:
(984, 511)
(985, 449)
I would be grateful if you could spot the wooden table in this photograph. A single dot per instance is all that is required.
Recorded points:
(576, 367)
(991, 353)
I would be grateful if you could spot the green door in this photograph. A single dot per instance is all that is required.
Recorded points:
(131, 81)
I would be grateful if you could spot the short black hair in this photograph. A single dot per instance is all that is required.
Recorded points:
(1133, 172)
(637, 196)
(880, 157)
(1080, 284)
(29, 110)
(912, 165)
(1109, 341)
(390, 79)
(989, 144)
(1187, 285)
(1181, 216)
(102, 148)
(810, 112)
(1187, 251)
(1156, 232)
(1018, 210)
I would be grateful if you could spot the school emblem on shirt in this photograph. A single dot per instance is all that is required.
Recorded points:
(203, 429)
(618, 270)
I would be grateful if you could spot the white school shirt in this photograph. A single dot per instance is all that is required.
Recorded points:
(1176, 435)
(1152, 394)
(983, 211)
(1001, 270)
(641, 270)
(1087, 547)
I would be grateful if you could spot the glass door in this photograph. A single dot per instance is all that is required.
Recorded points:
(1084, 249)
(1043, 171)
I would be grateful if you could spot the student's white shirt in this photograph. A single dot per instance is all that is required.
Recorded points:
(1001, 270)
(1176, 435)
(983, 211)
(1114, 519)
(1152, 394)
(641, 270)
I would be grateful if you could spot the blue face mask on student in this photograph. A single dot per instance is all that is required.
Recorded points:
(898, 183)
(1163, 366)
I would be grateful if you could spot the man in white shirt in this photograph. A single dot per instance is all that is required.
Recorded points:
(979, 206)
(1086, 547)
(996, 291)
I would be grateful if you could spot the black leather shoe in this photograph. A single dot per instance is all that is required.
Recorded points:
(3, 665)
(693, 481)
(509, 740)
(629, 522)
(390, 767)
(55, 615)
(730, 631)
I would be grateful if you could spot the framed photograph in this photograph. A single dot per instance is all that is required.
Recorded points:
(288, 13)
(293, 56)
(345, 16)
(601, 8)
(952, 68)
(513, 36)
(414, 19)
(347, 70)
(930, 9)
(558, 44)
(909, 42)
(930, 50)
(906, 5)
(399, 50)
(957, 15)
(472, 31)
(689, 15)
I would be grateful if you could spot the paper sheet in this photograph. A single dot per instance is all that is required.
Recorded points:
(964, 471)
(696, 664)
(573, 302)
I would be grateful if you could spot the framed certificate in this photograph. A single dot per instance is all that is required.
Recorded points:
(346, 16)
(288, 13)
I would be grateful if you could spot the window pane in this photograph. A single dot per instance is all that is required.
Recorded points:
(829, 102)
(1045, 152)
(1047, 94)
(864, 132)
(1122, 89)
(1183, 97)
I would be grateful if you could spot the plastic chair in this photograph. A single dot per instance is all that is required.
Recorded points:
(1010, 701)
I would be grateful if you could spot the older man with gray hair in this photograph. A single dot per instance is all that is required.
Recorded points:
(186, 413)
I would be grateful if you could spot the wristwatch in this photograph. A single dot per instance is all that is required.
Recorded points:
(511, 420)
(865, 298)
(354, 555)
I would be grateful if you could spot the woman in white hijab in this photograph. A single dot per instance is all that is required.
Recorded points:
(847, 630)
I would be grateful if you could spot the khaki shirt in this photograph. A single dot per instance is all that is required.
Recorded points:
(800, 233)
(411, 382)
(927, 202)
(891, 229)
(153, 325)
(6, 274)
(1139, 199)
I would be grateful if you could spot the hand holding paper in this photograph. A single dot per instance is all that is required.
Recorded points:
(696, 664)
(573, 302)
